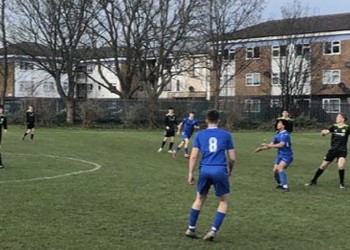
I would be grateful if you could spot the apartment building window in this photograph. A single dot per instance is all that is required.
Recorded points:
(253, 79)
(275, 103)
(168, 87)
(252, 105)
(331, 105)
(48, 86)
(278, 51)
(331, 76)
(177, 85)
(253, 52)
(227, 80)
(303, 49)
(26, 66)
(275, 79)
(229, 54)
(90, 68)
(331, 48)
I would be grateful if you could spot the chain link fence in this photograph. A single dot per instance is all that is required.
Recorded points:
(235, 114)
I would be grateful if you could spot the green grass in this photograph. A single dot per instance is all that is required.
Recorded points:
(140, 199)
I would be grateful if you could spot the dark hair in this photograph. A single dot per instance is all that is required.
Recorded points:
(213, 116)
(284, 122)
(1, 107)
(170, 108)
(343, 115)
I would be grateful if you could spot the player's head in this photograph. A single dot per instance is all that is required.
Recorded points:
(30, 107)
(171, 110)
(282, 124)
(341, 117)
(1, 109)
(285, 113)
(213, 116)
(191, 114)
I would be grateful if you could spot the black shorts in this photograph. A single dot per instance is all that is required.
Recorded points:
(30, 125)
(334, 153)
(169, 133)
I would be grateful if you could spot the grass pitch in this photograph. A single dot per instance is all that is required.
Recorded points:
(119, 193)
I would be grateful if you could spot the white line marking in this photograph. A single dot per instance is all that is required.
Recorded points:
(97, 167)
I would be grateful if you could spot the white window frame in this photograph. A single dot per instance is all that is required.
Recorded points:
(329, 107)
(251, 79)
(26, 66)
(253, 53)
(276, 50)
(254, 104)
(333, 45)
(331, 76)
(304, 49)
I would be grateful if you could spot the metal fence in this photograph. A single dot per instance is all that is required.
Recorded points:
(132, 113)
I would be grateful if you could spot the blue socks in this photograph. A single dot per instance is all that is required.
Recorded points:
(193, 219)
(283, 178)
(219, 218)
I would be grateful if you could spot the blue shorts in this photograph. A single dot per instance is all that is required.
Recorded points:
(186, 136)
(213, 175)
(287, 159)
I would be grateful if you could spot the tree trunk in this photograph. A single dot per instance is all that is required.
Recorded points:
(70, 111)
(153, 109)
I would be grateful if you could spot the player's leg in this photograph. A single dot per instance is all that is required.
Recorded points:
(26, 133)
(222, 191)
(277, 176)
(319, 172)
(1, 165)
(32, 134)
(331, 155)
(341, 169)
(172, 137)
(194, 214)
(165, 138)
(187, 142)
(281, 168)
(203, 186)
(178, 148)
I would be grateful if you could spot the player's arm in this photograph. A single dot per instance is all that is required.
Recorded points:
(231, 153)
(179, 127)
(192, 165)
(277, 145)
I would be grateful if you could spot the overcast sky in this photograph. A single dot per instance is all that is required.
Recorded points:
(319, 7)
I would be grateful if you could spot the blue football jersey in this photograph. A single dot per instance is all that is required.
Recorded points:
(213, 144)
(283, 136)
(188, 125)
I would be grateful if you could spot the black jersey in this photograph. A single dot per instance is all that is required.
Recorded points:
(340, 135)
(30, 119)
(3, 122)
(170, 121)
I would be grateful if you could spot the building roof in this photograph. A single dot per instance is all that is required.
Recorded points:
(302, 25)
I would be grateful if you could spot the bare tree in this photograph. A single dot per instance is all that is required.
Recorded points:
(144, 39)
(4, 69)
(220, 19)
(295, 57)
(56, 34)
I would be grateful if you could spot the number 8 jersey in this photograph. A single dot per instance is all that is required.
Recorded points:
(213, 144)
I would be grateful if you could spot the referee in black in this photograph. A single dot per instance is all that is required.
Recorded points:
(3, 128)
(30, 121)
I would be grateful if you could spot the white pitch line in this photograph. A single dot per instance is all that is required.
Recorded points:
(97, 167)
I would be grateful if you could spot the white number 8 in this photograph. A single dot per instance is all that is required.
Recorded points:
(213, 144)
